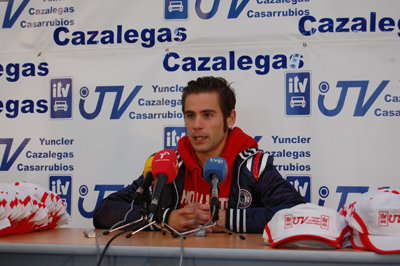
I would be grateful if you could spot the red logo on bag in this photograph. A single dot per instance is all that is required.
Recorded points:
(321, 221)
(386, 218)
(325, 222)
(383, 219)
(288, 221)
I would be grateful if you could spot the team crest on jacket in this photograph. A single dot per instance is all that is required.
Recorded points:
(244, 199)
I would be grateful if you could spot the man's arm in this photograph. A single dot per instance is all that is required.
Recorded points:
(114, 208)
(273, 193)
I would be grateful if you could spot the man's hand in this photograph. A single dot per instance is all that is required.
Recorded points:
(184, 218)
(194, 216)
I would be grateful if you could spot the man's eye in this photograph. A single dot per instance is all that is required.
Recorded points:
(189, 115)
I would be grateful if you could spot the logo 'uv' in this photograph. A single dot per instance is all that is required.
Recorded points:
(361, 108)
(117, 109)
(102, 189)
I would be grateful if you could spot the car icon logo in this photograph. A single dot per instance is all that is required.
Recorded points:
(60, 105)
(175, 6)
(297, 101)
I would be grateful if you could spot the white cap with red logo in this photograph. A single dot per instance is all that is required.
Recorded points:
(306, 226)
(375, 221)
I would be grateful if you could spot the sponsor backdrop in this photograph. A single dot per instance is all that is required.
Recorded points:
(90, 89)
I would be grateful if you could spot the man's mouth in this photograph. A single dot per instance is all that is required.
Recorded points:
(199, 138)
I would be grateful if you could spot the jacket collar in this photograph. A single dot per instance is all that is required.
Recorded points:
(237, 142)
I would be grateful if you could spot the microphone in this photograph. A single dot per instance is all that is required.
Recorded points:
(165, 169)
(147, 176)
(215, 170)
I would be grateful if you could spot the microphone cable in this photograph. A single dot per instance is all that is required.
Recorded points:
(174, 233)
(182, 249)
(147, 168)
(97, 243)
(100, 258)
(125, 217)
(105, 232)
(182, 236)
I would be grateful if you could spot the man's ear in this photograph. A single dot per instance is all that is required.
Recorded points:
(231, 119)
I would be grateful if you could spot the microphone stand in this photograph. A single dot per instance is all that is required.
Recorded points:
(226, 230)
(215, 217)
(143, 225)
(157, 221)
(154, 219)
(124, 226)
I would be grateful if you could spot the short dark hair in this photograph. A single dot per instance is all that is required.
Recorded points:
(226, 94)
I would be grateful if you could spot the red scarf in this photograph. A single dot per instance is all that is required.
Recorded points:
(196, 189)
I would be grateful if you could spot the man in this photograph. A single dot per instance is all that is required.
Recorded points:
(252, 192)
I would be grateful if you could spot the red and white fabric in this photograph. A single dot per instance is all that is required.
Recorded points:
(26, 207)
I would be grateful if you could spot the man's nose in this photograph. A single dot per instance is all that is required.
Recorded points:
(198, 122)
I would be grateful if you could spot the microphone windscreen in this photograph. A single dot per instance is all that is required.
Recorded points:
(147, 165)
(217, 166)
(165, 162)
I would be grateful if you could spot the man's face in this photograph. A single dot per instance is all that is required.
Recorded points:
(204, 123)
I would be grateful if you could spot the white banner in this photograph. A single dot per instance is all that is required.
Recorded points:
(89, 89)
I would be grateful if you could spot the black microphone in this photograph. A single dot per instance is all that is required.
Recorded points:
(215, 170)
(164, 168)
